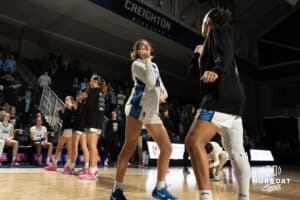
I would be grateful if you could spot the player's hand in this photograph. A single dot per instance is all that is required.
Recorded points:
(144, 53)
(209, 77)
(163, 98)
(198, 49)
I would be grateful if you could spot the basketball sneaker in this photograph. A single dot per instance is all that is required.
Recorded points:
(117, 195)
(51, 167)
(162, 194)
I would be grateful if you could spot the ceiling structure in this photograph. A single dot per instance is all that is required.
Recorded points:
(271, 22)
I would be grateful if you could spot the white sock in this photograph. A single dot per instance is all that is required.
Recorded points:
(48, 160)
(93, 169)
(86, 165)
(67, 164)
(14, 158)
(161, 184)
(205, 195)
(72, 165)
(117, 185)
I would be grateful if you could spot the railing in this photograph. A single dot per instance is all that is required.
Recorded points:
(48, 107)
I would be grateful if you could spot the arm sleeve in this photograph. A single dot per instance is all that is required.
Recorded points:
(144, 72)
(218, 51)
(193, 67)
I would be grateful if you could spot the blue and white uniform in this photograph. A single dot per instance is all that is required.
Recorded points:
(143, 103)
(38, 133)
(4, 134)
(5, 130)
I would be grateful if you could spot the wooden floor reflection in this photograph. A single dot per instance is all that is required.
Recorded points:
(37, 184)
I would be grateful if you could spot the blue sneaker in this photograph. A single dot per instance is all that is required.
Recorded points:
(117, 195)
(162, 194)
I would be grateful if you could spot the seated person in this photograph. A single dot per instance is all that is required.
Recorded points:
(217, 159)
(39, 137)
(7, 138)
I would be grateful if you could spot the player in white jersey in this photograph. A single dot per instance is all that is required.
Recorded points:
(143, 108)
(7, 138)
(144, 100)
(217, 158)
(39, 137)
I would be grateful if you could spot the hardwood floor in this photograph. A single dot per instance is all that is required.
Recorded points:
(37, 184)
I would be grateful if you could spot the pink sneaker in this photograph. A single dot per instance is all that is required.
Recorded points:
(67, 170)
(14, 163)
(48, 163)
(97, 174)
(51, 167)
(89, 176)
(82, 171)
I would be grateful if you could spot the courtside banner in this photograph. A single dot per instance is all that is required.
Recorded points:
(177, 151)
(152, 20)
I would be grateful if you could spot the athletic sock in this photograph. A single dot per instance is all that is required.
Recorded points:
(117, 185)
(205, 195)
(161, 184)
(93, 170)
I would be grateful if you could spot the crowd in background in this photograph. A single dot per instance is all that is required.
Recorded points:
(21, 101)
